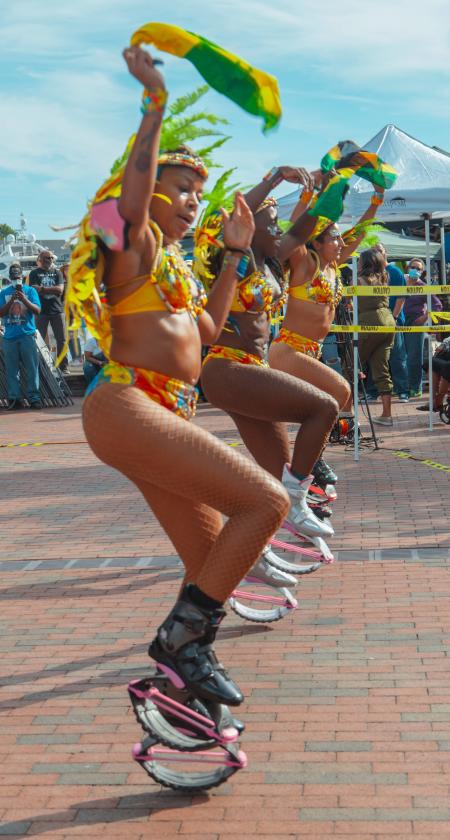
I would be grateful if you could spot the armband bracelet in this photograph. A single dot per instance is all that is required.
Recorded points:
(244, 251)
(240, 268)
(274, 173)
(306, 196)
(377, 199)
(153, 101)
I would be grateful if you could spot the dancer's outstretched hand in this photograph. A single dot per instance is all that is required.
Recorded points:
(238, 229)
(297, 175)
(140, 64)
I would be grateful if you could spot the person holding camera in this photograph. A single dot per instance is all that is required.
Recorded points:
(18, 306)
(49, 283)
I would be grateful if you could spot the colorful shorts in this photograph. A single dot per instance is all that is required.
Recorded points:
(173, 394)
(234, 355)
(299, 343)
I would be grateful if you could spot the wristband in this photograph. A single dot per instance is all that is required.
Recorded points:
(306, 196)
(153, 101)
(240, 268)
(244, 251)
(274, 174)
(377, 199)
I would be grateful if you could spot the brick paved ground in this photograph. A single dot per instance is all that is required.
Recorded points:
(347, 700)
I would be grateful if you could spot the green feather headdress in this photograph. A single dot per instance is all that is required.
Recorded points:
(179, 128)
(369, 229)
(208, 237)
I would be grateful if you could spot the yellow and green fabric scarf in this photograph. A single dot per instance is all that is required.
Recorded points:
(347, 159)
(253, 90)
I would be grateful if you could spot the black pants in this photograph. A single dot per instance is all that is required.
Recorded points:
(439, 366)
(57, 324)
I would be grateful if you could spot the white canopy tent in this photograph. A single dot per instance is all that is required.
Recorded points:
(422, 185)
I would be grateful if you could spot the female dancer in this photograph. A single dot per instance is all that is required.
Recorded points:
(314, 292)
(136, 410)
(375, 348)
(237, 378)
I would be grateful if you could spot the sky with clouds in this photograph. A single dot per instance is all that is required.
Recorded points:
(345, 70)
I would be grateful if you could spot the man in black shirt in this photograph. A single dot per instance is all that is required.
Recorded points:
(49, 284)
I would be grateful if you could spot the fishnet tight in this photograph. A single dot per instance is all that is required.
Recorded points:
(258, 398)
(189, 479)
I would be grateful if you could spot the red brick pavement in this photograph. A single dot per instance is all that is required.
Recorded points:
(60, 502)
(347, 699)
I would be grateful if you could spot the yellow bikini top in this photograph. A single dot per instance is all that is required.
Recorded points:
(169, 286)
(320, 289)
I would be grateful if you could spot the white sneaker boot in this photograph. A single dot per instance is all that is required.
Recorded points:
(300, 516)
(268, 574)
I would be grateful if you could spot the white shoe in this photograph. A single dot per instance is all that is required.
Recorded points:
(266, 573)
(383, 421)
(300, 516)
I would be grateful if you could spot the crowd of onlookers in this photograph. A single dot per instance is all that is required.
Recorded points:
(394, 362)
(35, 305)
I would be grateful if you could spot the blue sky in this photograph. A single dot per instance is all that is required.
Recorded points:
(345, 70)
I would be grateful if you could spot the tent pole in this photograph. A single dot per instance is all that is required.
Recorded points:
(443, 259)
(429, 305)
(355, 363)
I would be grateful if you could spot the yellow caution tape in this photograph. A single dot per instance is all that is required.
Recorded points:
(44, 443)
(398, 291)
(358, 328)
(428, 463)
(444, 316)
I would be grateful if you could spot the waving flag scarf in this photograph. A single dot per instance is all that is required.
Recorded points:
(252, 89)
(347, 155)
(347, 159)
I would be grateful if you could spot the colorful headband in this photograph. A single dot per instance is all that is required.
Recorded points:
(320, 227)
(183, 159)
(270, 201)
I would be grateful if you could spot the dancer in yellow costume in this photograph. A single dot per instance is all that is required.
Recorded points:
(129, 281)
(236, 376)
(313, 294)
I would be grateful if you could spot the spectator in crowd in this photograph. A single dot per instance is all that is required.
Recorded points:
(398, 358)
(94, 360)
(375, 348)
(445, 298)
(416, 314)
(18, 306)
(49, 284)
(440, 366)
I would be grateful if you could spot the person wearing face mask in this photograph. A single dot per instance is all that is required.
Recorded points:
(19, 305)
(416, 314)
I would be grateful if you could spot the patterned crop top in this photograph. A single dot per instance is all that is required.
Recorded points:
(320, 289)
(253, 294)
(170, 285)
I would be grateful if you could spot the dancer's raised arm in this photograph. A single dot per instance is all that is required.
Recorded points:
(140, 172)
(291, 174)
(238, 229)
(356, 239)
